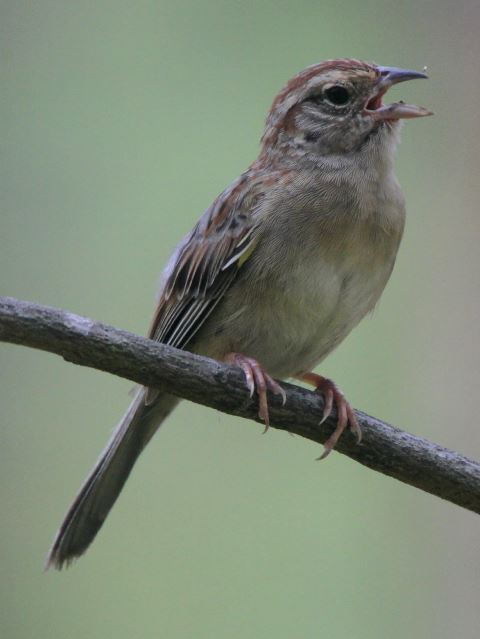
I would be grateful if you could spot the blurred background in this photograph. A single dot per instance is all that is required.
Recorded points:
(121, 121)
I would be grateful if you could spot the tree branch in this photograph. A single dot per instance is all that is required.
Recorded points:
(384, 448)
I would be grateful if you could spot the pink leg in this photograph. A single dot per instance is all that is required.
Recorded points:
(257, 379)
(346, 414)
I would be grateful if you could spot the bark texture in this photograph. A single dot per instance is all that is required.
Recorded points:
(384, 448)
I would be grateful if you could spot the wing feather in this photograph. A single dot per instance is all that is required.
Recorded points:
(206, 263)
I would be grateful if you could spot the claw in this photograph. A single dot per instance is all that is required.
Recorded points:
(346, 414)
(328, 394)
(257, 379)
(248, 377)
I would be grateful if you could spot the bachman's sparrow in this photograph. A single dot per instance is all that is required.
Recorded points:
(281, 267)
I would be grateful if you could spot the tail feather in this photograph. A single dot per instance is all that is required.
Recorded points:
(104, 484)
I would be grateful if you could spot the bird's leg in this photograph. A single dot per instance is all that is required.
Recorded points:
(346, 414)
(257, 380)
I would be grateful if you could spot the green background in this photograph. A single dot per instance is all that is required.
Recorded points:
(120, 122)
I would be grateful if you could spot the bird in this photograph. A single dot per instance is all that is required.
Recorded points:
(280, 268)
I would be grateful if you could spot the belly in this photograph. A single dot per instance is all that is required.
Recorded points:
(290, 318)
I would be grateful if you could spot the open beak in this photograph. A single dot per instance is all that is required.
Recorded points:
(397, 110)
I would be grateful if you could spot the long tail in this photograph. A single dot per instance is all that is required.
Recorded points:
(104, 484)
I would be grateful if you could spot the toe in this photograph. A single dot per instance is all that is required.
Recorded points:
(261, 386)
(345, 414)
(257, 380)
(354, 425)
(276, 388)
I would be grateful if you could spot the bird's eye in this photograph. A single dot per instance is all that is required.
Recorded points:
(337, 95)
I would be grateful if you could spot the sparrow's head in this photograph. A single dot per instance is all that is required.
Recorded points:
(335, 107)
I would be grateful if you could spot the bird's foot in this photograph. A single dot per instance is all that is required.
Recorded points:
(346, 414)
(257, 380)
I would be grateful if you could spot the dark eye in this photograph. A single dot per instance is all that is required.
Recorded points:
(337, 95)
